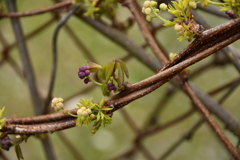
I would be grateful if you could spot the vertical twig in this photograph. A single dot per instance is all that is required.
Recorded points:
(25, 58)
(29, 73)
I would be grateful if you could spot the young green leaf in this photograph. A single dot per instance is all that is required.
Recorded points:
(120, 76)
(79, 121)
(18, 152)
(101, 103)
(124, 68)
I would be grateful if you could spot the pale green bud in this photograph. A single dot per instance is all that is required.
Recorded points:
(172, 55)
(89, 111)
(178, 27)
(153, 3)
(60, 99)
(65, 111)
(149, 18)
(143, 10)
(148, 11)
(83, 108)
(60, 105)
(157, 11)
(163, 6)
(84, 113)
(79, 112)
(92, 116)
(54, 101)
(146, 4)
(193, 4)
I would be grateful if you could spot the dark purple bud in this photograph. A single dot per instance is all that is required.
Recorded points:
(81, 75)
(82, 69)
(87, 72)
(230, 13)
(5, 143)
(86, 80)
(111, 86)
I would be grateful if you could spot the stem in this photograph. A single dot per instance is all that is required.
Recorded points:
(97, 83)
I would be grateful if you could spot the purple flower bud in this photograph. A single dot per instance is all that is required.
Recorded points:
(5, 143)
(87, 72)
(110, 86)
(86, 80)
(230, 13)
(82, 69)
(87, 67)
(81, 75)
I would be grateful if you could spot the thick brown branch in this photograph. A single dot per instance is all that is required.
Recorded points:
(39, 128)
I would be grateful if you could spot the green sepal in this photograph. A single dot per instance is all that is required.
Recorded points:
(106, 109)
(169, 24)
(93, 66)
(79, 121)
(18, 152)
(98, 117)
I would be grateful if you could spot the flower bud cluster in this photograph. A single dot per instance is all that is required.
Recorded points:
(84, 72)
(111, 86)
(57, 104)
(84, 112)
(152, 12)
(5, 143)
(148, 8)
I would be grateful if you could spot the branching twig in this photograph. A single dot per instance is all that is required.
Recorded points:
(38, 11)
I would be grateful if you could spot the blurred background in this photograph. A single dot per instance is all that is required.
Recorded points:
(119, 137)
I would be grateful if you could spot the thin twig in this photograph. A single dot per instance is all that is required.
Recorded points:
(38, 11)
(25, 59)
(70, 146)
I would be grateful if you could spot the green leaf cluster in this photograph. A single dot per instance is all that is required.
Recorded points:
(89, 6)
(100, 113)
(114, 72)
